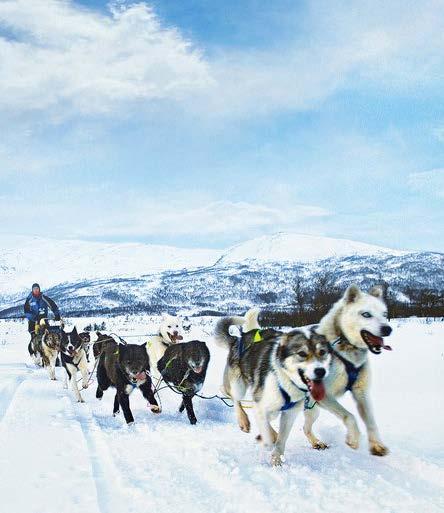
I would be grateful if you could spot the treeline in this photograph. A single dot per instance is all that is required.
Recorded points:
(311, 301)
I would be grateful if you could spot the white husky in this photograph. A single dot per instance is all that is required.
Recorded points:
(355, 325)
(170, 332)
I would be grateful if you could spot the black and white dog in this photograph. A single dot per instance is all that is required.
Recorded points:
(125, 367)
(185, 366)
(73, 358)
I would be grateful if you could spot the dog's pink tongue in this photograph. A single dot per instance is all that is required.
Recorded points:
(140, 376)
(179, 337)
(317, 390)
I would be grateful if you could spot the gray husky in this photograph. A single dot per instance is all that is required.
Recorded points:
(280, 369)
(355, 325)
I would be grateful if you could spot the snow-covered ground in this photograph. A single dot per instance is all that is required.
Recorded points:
(57, 456)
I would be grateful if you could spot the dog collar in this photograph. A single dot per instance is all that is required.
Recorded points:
(344, 340)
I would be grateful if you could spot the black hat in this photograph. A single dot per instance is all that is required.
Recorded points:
(35, 285)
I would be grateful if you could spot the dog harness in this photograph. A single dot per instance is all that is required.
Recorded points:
(288, 403)
(256, 338)
(351, 370)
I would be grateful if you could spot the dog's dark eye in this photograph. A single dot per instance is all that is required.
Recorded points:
(302, 354)
(367, 315)
(169, 326)
(322, 352)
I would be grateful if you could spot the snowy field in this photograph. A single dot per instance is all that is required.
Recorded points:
(57, 456)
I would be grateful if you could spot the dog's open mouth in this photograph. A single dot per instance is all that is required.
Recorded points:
(140, 376)
(198, 369)
(374, 343)
(315, 386)
(175, 337)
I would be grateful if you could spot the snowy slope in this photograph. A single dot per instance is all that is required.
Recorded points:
(24, 260)
(295, 247)
(58, 456)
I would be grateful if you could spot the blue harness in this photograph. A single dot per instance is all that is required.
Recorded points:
(288, 403)
(351, 370)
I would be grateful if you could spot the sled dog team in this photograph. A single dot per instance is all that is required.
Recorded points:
(285, 372)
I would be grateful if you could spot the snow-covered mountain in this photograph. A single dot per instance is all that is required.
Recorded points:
(24, 260)
(93, 277)
(295, 247)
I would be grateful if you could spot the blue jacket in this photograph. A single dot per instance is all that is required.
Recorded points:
(36, 308)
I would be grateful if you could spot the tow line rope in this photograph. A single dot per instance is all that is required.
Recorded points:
(158, 387)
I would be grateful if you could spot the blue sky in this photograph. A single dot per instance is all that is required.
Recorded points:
(205, 123)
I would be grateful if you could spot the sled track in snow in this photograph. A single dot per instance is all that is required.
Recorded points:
(105, 474)
(8, 391)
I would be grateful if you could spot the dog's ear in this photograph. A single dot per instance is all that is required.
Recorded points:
(377, 291)
(352, 293)
(74, 332)
(283, 339)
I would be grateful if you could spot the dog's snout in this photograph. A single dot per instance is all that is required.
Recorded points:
(385, 331)
(319, 372)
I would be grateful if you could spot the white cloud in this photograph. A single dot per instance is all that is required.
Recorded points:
(64, 55)
(169, 217)
(428, 182)
(81, 212)
(65, 58)
(375, 44)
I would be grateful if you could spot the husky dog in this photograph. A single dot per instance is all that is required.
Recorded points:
(88, 339)
(73, 358)
(35, 344)
(281, 369)
(125, 367)
(169, 333)
(186, 324)
(355, 325)
(185, 367)
(94, 339)
(50, 348)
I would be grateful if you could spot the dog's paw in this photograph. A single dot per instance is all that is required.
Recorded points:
(81, 400)
(193, 421)
(352, 441)
(320, 446)
(155, 409)
(85, 385)
(277, 459)
(115, 413)
(378, 449)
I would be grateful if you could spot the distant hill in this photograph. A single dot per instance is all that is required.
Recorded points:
(90, 277)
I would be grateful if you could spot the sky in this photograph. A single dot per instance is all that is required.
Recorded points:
(206, 123)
